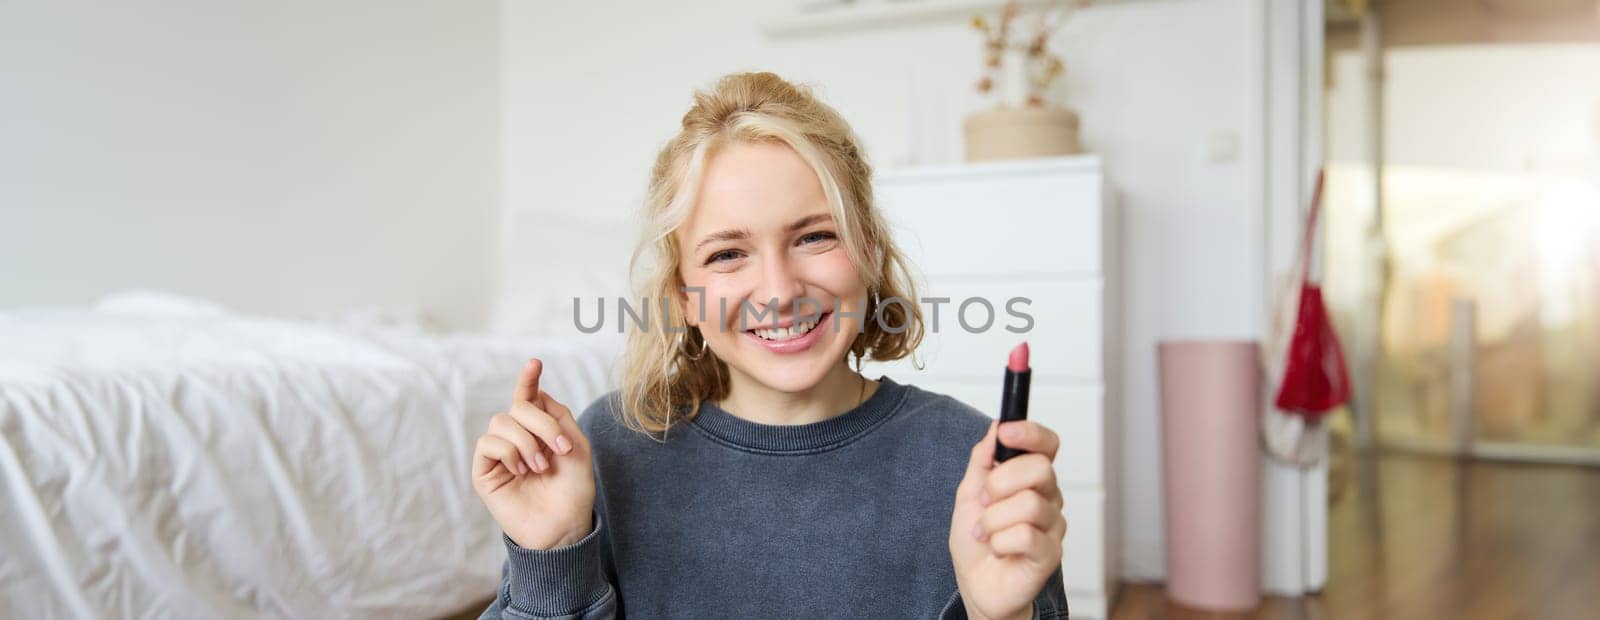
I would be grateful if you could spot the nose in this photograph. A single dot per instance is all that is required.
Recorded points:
(780, 286)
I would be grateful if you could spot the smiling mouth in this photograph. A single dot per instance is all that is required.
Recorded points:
(793, 331)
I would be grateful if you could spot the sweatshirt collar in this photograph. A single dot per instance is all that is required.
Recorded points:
(833, 432)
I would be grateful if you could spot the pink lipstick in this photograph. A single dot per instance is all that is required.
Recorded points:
(1013, 397)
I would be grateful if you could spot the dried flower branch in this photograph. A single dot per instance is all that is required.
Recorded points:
(1043, 66)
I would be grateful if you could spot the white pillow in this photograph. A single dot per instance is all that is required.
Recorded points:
(158, 303)
(406, 318)
(553, 258)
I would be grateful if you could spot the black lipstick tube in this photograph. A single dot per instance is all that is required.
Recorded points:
(1013, 406)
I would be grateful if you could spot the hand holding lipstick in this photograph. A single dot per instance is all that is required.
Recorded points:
(1006, 529)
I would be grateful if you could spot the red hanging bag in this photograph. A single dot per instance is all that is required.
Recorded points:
(1315, 378)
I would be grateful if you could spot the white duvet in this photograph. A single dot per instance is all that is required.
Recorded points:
(227, 466)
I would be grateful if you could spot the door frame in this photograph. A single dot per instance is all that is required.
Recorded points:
(1294, 500)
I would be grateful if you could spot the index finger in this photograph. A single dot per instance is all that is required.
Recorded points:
(528, 382)
(1029, 436)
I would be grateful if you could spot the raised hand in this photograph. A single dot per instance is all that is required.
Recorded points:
(533, 469)
(1006, 529)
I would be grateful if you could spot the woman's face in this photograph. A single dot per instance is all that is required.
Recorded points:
(761, 239)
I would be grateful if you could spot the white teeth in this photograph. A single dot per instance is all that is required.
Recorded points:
(786, 333)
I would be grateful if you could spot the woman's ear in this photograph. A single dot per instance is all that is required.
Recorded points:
(691, 303)
(690, 316)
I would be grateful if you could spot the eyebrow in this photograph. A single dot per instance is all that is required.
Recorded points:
(735, 234)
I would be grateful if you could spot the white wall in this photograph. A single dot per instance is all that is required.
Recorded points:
(1159, 84)
(288, 157)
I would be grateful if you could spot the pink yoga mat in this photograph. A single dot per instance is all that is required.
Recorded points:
(1210, 403)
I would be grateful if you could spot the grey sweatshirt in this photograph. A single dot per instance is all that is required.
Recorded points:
(848, 517)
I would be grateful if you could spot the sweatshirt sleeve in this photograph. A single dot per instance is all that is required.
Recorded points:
(1051, 604)
(1052, 601)
(567, 583)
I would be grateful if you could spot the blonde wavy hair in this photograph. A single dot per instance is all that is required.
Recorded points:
(666, 372)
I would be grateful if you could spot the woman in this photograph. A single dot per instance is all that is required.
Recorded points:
(744, 470)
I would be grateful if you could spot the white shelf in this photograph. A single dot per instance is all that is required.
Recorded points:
(1039, 229)
(870, 14)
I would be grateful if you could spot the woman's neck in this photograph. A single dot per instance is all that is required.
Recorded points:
(839, 391)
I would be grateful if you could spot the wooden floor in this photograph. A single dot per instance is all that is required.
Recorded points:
(1432, 537)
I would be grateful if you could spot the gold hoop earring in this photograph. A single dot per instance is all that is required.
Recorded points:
(703, 345)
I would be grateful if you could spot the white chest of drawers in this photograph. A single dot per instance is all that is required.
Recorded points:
(1042, 231)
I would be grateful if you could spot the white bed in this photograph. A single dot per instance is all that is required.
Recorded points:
(205, 464)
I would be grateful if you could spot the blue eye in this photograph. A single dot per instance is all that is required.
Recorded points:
(724, 255)
(817, 237)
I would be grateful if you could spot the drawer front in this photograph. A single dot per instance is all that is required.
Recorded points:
(1074, 412)
(1064, 339)
(1083, 552)
(997, 225)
